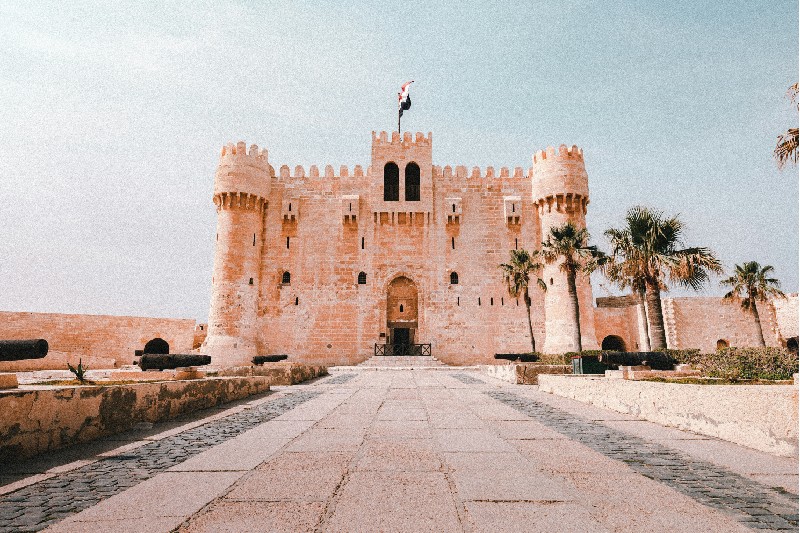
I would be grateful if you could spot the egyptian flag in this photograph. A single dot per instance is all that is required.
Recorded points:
(403, 98)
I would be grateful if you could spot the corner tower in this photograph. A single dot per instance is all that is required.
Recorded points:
(561, 193)
(241, 189)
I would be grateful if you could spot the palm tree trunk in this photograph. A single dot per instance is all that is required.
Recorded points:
(574, 311)
(658, 337)
(644, 338)
(754, 310)
(530, 326)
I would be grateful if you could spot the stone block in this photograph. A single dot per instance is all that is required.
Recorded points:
(8, 381)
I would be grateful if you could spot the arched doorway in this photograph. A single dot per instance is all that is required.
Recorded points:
(401, 314)
(156, 345)
(613, 343)
(722, 344)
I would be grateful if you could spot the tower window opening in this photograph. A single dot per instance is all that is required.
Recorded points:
(513, 208)
(453, 278)
(391, 182)
(287, 243)
(453, 242)
(412, 182)
(362, 278)
(458, 300)
(491, 301)
(516, 244)
(254, 239)
(551, 281)
(286, 279)
(454, 208)
(362, 243)
(351, 206)
(502, 302)
(479, 300)
(290, 207)
(217, 236)
(251, 281)
(296, 300)
(401, 308)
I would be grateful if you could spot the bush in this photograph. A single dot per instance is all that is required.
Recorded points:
(749, 363)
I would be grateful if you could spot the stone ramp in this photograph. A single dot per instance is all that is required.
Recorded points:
(407, 362)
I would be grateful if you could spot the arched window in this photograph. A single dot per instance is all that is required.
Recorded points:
(391, 182)
(453, 278)
(286, 279)
(362, 278)
(722, 344)
(412, 182)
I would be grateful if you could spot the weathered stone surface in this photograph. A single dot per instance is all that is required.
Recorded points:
(523, 373)
(33, 421)
(764, 417)
(282, 373)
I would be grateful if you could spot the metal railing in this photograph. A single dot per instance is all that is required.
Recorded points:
(412, 350)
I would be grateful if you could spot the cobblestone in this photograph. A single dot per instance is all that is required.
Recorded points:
(750, 503)
(41, 504)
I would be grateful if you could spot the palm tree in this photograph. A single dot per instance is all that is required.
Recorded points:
(567, 244)
(750, 284)
(626, 272)
(649, 256)
(517, 276)
(786, 149)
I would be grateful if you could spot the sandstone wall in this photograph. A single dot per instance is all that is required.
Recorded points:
(106, 338)
(763, 417)
(786, 316)
(40, 420)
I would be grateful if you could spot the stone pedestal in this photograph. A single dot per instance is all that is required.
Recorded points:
(189, 372)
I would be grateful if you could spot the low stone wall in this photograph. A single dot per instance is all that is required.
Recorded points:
(33, 421)
(523, 373)
(763, 417)
(282, 373)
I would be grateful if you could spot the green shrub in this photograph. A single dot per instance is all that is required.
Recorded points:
(80, 371)
(749, 363)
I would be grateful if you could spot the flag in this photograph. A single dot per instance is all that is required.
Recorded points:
(403, 98)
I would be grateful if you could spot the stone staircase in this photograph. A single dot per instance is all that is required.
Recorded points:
(388, 361)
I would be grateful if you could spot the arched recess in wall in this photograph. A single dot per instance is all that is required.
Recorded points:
(453, 278)
(286, 278)
(722, 344)
(391, 182)
(613, 343)
(157, 345)
(791, 344)
(362, 278)
(412, 182)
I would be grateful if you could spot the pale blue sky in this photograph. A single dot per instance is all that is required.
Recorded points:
(113, 114)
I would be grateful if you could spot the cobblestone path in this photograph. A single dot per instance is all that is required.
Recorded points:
(37, 506)
(748, 502)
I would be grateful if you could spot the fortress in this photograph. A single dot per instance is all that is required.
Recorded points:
(332, 267)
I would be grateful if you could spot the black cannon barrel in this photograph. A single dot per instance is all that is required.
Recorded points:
(17, 350)
(155, 361)
(655, 360)
(261, 359)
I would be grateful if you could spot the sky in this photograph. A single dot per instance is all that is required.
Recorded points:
(113, 115)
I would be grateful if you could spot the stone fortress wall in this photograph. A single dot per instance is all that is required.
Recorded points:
(293, 245)
(102, 341)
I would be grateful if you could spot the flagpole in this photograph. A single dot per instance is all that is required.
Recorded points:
(398, 120)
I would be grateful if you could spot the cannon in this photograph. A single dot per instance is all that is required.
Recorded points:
(261, 359)
(655, 360)
(155, 361)
(17, 350)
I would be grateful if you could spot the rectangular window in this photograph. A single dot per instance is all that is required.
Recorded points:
(453, 242)
(362, 243)
(287, 243)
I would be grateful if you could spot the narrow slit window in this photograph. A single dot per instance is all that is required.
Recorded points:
(479, 300)
(296, 300)
(453, 242)
(502, 302)
(401, 308)
(254, 239)
(458, 300)
(290, 207)
(287, 243)
(491, 301)
(454, 208)
(516, 244)
(251, 281)
(362, 243)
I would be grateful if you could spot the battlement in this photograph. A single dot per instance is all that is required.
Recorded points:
(460, 171)
(237, 154)
(383, 138)
(543, 156)
(299, 172)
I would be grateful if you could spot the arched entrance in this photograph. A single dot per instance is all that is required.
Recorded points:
(722, 344)
(156, 345)
(613, 343)
(791, 344)
(401, 314)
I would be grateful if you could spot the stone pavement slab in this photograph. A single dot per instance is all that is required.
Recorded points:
(413, 450)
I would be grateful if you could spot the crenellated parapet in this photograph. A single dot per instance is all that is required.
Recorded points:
(449, 172)
(242, 171)
(382, 138)
(559, 181)
(299, 172)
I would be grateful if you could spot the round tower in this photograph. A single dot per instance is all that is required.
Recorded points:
(241, 189)
(561, 194)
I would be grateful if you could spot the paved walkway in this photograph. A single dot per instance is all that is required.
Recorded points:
(403, 450)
